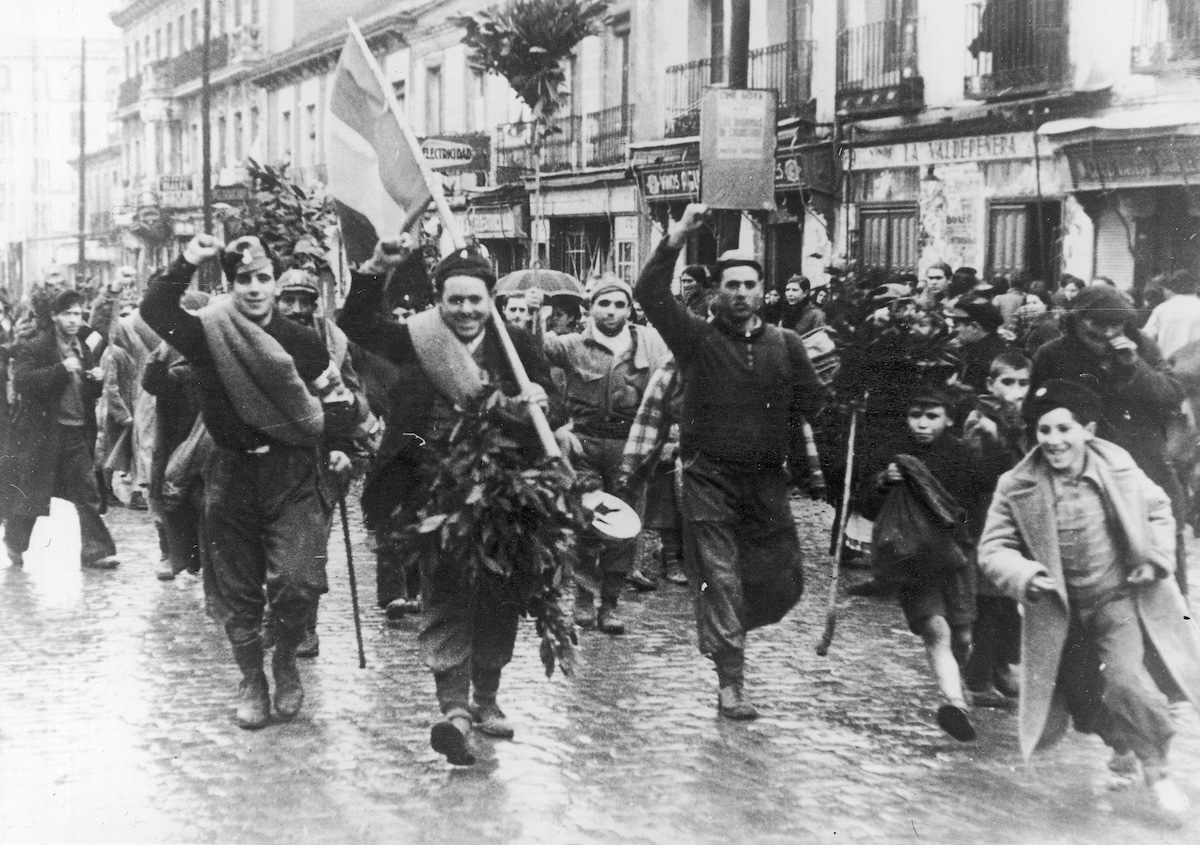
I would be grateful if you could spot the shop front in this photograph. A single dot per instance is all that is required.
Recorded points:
(590, 224)
(992, 202)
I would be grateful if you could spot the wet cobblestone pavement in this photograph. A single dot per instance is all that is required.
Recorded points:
(116, 725)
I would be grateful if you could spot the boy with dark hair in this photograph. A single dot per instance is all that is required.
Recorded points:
(938, 599)
(1081, 535)
(996, 428)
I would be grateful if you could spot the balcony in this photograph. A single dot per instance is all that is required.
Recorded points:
(514, 152)
(608, 132)
(785, 68)
(129, 91)
(188, 66)
(877, 69)
(1166, 35)
(560, 149)
(1018, 48)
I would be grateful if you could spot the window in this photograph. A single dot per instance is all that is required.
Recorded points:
(399, 91)
(626, 265)
(310, 133)
(158, 44)
(285, 135)
(137, 59)
(237, 13)
(254, 11)
(254, 130)
(433, 99)
(237, 137)
(170, 38)
(1017, 245)
(195, 27)
(176, 130)
(888, 238)
(193, 148)
(221, 142)
(146, 50)
(476, 101)
(182, 35)
(220, 17)
(621, 62)
(160, 148)
(716, 42)
(128, 62)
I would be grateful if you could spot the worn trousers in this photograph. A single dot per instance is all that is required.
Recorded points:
(467, 630)
(265, 522)
(604, 557)
(995, 640)
(75, 482)
(742, 554)
(1108, 689)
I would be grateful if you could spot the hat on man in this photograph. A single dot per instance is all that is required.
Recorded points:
(986, 314)
(299, 281)
(66, 299)
(464, 262)
(1082, 402)
(247, 254)
(1103, 304)
(605, 283)
(736, 258)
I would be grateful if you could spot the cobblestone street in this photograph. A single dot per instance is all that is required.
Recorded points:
(116, 725)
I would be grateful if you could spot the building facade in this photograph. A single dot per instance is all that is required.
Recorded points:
(39, 137)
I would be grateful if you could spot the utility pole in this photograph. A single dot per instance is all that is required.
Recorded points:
(205, 139)
(81, 261)
(739, 44)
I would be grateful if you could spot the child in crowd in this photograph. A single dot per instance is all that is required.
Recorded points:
(1078, 533)
(996, 634)
(938, 601)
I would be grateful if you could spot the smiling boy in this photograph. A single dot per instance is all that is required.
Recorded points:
(1081, 536)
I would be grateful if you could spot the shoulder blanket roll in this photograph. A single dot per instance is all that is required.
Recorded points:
(444, 358)
(260, 377)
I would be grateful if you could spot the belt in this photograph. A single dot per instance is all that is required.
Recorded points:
(607, 429)
(258, 450)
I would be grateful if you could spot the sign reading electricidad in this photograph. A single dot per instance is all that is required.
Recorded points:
(445, 155)
(737, 149)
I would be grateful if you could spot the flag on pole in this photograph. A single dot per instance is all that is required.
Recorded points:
(375, 179)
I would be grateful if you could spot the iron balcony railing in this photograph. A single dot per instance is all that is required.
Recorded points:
(188, 66)
(877, 67)
(1017, 48)
(785, 68)
(1166, 34)
(129, 91)
(608, 135)
(514, 152)
(560, 150)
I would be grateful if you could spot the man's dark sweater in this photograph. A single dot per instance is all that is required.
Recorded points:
(162, 312)
(745, 393)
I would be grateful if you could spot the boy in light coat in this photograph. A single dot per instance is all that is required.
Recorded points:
(1085, 540)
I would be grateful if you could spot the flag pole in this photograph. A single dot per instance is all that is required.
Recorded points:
(456, 236)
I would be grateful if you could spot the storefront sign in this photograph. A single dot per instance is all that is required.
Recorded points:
(231, 194)
(806, 168)
(497, 222)
(945, 151)
(737, 149)
(173, 184)
(457, 152)
(1157, 161)
(670, 182)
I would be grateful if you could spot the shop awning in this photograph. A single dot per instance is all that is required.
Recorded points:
(1179, 118)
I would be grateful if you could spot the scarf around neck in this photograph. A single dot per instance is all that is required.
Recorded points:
(445, 358)
(260, 377)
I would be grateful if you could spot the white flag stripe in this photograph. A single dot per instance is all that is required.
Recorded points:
(355, 169)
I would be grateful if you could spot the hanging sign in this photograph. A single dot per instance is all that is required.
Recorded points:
(737, 149)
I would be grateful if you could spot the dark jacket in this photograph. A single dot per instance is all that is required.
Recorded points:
(1137, 400)
(397, 469)
(746, 395)
(39, 379)
(977, 361)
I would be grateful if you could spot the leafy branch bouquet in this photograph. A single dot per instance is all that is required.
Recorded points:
(503, 526)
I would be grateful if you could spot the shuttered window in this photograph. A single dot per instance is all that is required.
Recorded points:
(1008, 230)
(889, 238)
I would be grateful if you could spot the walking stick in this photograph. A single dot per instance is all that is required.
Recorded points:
(840, 536)
(362, 657)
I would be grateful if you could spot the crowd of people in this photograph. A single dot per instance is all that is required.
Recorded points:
(1021, 478)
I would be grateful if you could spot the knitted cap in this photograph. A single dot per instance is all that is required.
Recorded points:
(299, 281)
(605, 283)
(464, 262)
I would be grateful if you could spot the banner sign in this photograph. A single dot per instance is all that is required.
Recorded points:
(670, 182)
(457, 152)
(737, 149)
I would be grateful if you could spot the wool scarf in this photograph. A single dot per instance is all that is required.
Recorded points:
(260, 377)
(445, 358)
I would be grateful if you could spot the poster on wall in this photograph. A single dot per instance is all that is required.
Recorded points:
(737, 149)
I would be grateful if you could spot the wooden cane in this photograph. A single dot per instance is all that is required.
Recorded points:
(840, 538)
(362, 656)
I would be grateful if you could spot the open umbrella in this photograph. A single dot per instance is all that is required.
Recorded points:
(552, 282)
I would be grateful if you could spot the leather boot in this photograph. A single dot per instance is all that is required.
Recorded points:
(254, 697)
(289, 692)
(485, 712)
